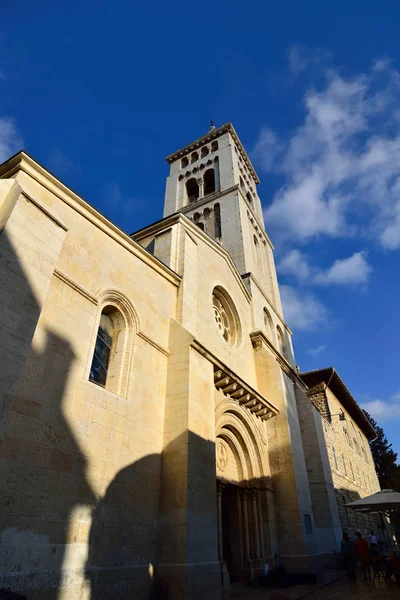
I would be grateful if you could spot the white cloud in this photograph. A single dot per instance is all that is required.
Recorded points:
(60, 162)
(10, 142)
(294, 263)
(119, 204)
(382, 410)
(353, 270)
(316, 351)
(300, 58)
(342, 164)
(301, 309)
(349, 271)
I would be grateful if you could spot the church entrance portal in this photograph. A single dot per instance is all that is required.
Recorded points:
(231, 528)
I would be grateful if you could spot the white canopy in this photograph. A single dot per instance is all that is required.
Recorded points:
(386, 501)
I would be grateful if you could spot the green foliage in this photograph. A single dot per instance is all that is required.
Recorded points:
(385, 458)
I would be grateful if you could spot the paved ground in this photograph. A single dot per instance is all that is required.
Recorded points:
(338, 590)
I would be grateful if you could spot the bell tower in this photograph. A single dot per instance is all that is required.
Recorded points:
(213, 182)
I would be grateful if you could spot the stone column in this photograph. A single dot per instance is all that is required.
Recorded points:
(220, 489)
(244, 496)
(256, 536)
(200, 183)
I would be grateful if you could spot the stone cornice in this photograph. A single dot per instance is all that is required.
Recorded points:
(75, 286)
(44, 209)
(155, 345)
(258, 338)
(235, 387)
(25, 163)
(212, 135)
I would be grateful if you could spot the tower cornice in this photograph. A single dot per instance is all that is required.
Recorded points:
(208, 137)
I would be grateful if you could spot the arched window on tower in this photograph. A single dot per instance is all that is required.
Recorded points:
(209, 182)
(192, 190)
(194, 157)
(281, 341)
(204, 151)
(217, 221)
(257, 250)
(214, 146)
(184, 162)
(108, 350)
(267, 323)
(249, 198)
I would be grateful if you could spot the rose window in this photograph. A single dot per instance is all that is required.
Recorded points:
(221, 319)
(226, 317)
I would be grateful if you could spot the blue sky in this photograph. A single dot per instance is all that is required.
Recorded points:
(101, 92)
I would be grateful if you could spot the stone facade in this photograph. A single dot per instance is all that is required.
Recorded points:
(179, 461)
(339, 455)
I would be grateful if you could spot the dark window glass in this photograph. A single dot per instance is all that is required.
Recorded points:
(102, 350)
(308, 524)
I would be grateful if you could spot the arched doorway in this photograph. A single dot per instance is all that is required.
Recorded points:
(241, 468)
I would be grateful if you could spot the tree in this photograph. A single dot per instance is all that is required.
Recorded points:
(385, 458)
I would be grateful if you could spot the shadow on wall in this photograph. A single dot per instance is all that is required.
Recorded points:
(48, 507)
(353, 520)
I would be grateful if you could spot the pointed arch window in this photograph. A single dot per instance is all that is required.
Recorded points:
(214, 146)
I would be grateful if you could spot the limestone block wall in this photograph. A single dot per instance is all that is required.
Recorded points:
(80, 469)
(326, 514)
(353, 469)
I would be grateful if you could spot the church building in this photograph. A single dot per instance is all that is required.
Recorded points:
(156, 437)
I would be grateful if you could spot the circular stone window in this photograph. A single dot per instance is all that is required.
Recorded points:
(226, 317)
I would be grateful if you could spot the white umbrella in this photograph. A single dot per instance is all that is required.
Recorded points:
(386, 501)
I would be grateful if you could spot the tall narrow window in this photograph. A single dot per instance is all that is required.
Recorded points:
(335, 458)
(281, 341)
(346, 433)
(257, 251)
(354, 438)
(267, 323)
(204, 151)
(184, 162)
(214, 146)
(102, 350)
(344, 465)
(249, 198)
(362, 447)
(194, 157)
(217, 215)
(209, 182)
(192, 190)
(352, 472)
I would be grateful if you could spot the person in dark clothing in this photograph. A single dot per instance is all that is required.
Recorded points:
(362, 552)
(347, 550)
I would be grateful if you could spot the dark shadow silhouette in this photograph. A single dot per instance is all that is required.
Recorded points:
(43, 471)
(123, 534)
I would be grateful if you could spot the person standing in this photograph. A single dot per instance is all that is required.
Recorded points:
(362, 552)
(372, 538)
(347, 550)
